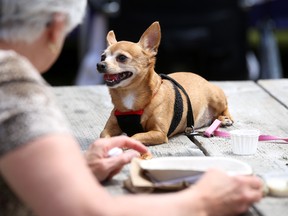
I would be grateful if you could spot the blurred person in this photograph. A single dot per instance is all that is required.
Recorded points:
(42, 169)
(93, 33)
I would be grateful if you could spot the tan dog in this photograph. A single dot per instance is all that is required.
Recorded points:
(137, 91)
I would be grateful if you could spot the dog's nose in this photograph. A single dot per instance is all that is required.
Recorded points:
(101, 67)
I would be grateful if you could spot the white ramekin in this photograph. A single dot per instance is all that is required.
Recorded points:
(244, 141)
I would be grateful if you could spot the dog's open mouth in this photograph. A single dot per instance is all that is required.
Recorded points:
(113, 79)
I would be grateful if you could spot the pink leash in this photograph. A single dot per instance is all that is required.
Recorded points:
(213, 131)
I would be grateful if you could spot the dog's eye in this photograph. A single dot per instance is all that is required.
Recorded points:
(121, 58)
(103, 57)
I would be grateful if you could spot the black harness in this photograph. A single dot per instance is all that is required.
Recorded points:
(130, 122)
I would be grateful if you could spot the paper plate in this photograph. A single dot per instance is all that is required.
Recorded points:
(168, 168)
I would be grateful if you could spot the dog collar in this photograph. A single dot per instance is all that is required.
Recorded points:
(137, 112)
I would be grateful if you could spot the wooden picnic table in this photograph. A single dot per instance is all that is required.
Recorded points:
(262, 105)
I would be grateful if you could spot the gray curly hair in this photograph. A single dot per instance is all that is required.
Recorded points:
(24, 20)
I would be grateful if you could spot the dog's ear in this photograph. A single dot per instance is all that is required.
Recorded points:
(150, 39)
(111, 39)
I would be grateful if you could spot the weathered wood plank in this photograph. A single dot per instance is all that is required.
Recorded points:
(86, 109)
(252, 107)
(277, 88)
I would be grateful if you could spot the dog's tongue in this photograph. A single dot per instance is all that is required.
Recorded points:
(111, 77)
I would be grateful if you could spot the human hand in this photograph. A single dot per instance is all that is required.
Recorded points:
(227, 195)
(105, 167)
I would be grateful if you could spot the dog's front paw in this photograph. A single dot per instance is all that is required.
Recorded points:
(226, 121)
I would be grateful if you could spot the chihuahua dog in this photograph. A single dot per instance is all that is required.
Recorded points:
(150, 107)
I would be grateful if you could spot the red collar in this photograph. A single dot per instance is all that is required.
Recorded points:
(132, 112)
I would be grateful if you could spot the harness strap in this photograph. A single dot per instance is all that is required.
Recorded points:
(178, 111)
(190, 118)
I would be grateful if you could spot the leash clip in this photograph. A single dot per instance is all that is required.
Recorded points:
(190, 131)
(209, 132)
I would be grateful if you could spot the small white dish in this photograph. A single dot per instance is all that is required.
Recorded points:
(244, 141)
(168, 168)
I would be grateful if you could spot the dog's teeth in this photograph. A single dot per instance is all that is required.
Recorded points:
(113, 79)
(110, 77)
